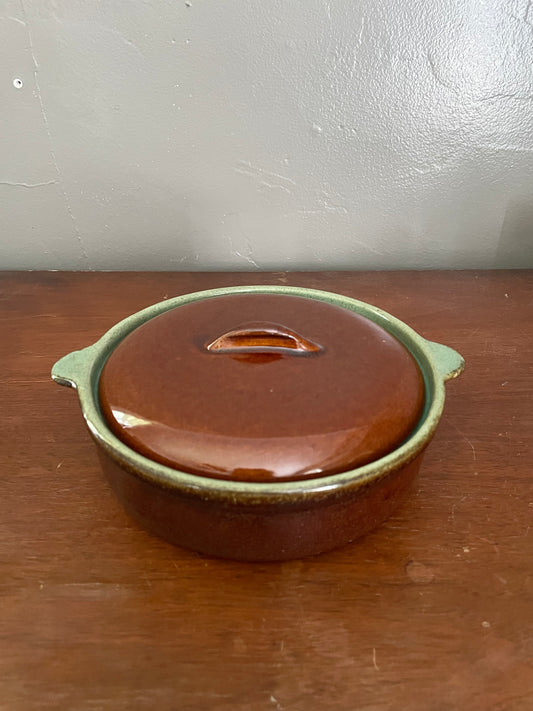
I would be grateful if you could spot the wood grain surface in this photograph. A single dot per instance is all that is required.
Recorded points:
(431, 612)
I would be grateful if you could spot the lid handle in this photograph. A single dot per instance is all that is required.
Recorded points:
(263, 337)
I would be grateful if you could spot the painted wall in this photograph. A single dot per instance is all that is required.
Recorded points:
(266, 134)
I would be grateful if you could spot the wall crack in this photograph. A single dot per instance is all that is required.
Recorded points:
(14, 184)
(60, 180)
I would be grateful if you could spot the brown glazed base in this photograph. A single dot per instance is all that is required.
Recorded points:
(258, 533)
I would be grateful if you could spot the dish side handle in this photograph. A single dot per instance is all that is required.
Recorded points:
(73, 369)
(448, 362)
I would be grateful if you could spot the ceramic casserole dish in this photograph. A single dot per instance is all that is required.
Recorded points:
(260, 422)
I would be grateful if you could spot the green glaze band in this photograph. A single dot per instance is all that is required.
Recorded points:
(81, 370)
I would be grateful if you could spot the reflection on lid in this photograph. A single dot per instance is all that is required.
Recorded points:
(127, 420)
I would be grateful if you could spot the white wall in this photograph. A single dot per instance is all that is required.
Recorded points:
(266, 134)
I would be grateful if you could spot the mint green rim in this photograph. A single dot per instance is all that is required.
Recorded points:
(81, 370)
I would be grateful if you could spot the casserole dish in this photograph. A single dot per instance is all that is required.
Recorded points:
(260, 422)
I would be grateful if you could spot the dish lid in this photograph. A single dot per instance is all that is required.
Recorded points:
(261, 387)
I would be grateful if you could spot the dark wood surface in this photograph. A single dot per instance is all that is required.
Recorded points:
(431, 612)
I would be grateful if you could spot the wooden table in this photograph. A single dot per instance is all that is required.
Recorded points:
(431, 612)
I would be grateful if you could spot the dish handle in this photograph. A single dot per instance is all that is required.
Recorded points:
(448, 362)
(73, 369)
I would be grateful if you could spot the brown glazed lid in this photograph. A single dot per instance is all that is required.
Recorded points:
(261, 387)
